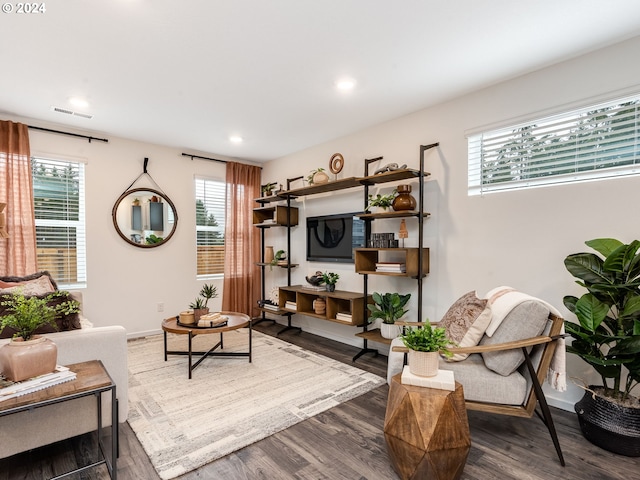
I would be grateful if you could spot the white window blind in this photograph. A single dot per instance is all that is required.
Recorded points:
(58, 194)
(594, 142)
(210, 220)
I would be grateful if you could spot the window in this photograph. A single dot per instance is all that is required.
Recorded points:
(210, 217)
(58, 194)
(594, 142)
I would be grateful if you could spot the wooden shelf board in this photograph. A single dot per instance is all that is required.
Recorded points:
(374, 336)
(392, 214)
(290, 265)
(341, 184)
(275, 312)
(392, 176)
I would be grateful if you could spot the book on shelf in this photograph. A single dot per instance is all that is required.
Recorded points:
(392, 267)
(344, 316)
(17, 389)
(269, 306)
(291, 305)
(315, 288)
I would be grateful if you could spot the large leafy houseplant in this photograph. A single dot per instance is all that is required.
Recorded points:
(25, 314)
(389, 306)
(607, 336)
(427, 339)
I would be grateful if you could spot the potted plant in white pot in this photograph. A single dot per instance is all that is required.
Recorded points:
(380, 203)
(425, 345)
(29, 355)
(389, 308)
(607, 337)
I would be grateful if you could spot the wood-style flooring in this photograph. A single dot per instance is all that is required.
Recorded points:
(347, 442)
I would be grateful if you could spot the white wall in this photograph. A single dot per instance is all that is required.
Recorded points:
(514, 238)
(125, 283)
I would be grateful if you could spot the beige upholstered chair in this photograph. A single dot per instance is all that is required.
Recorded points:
(503, 373)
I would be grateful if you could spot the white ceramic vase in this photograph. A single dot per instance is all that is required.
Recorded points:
(390, 330)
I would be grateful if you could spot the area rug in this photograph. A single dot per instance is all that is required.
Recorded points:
(229, 403)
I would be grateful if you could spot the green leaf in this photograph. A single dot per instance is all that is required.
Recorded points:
(631, 307)
(591, 312)
(604, 246)
(587, 267)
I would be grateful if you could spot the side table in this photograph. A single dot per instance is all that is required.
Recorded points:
(91, 379)
(427, 431)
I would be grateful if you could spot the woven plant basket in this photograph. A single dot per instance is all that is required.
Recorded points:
(423, 364)
(608, 425)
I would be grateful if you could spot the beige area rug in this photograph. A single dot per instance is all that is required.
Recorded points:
(229, 403)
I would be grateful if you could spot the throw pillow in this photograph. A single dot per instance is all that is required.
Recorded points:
(37, 286)
(466, 321)
(33, 276)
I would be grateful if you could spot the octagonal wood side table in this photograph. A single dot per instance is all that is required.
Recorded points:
(426, 431)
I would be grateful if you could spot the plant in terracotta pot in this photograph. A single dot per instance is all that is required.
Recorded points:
(388, 307)
(28, 354)
(380, 202)
(607, 337)
(267, 189)
(200, 304)
(330, 279)
(425, 344)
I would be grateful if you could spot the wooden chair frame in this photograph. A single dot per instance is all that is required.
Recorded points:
(536, 395)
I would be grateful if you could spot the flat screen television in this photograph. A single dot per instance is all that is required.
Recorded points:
(332, 238)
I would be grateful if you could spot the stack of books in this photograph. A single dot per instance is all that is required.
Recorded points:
(291, 305)
(270, 306)
(17, 389)
(443, 380)
(383, 240)
(346, 317)
(391, 267)
(315, 288)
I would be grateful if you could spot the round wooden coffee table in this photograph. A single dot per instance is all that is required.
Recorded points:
(235, 321)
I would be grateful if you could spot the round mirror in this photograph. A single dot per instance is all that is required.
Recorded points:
(144, 217)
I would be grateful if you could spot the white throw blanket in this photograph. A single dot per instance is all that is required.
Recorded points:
(504, 299)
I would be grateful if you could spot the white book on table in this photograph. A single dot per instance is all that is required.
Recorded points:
(60, 375)
(443, 380)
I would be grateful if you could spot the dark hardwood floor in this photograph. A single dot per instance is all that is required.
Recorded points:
(347, 443)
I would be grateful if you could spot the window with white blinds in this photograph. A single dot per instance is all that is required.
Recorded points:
(595, 142)
(58, 195)
(210, 218)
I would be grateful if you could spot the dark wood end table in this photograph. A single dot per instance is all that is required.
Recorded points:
(235, 321)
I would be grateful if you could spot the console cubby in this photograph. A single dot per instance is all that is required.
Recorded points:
(338, 301)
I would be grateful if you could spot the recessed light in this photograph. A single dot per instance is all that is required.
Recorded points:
(345, 84)
(78, 102)
(235, 139)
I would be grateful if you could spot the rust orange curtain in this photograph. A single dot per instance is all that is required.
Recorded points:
(18, 251)
(241, 288)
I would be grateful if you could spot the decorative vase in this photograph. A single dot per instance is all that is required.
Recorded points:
(390, 330)
(319, 306)
(20, 360)
(268, 254)
(404, 200)
(609, 425)
(423, 364)
(320, 177)
(198, 312)
(331, 287)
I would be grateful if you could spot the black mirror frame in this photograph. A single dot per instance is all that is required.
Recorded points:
(114, 212)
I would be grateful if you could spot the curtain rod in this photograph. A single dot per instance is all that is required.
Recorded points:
(105, 140)
(203, 158)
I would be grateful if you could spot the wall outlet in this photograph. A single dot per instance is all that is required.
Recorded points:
(161, 307)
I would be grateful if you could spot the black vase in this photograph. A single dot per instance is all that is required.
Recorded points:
(608, 425)
(331, 287)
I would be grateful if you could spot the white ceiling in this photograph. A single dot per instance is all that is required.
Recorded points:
(190, 73)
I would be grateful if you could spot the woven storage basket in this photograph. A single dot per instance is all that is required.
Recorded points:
(609, 425)
(423, 364)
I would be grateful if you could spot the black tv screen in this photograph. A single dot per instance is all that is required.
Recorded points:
(332, 238)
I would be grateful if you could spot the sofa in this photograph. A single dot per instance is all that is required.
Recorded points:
(31, 429)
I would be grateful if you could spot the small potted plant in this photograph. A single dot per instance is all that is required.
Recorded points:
(267, 189)
(317, 176)
(279, 258)
(29, 355)
(330, 279)
(379, 202)
(200, 304)
(425, 345)
(388, 307)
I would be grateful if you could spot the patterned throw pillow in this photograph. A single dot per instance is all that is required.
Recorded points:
(466, 321)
